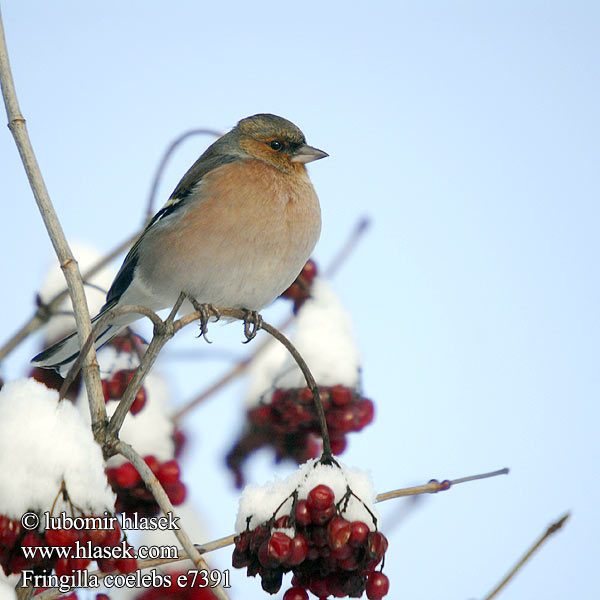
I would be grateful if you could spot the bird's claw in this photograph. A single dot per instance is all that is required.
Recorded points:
(206, 312)
(252, 324)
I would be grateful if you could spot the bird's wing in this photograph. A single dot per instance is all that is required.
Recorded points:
(208, 162)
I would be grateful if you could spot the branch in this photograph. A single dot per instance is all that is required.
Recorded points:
(434, 486)
(550, 531)
(16, 124)
(163, 501)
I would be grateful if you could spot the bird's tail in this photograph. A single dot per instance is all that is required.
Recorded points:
(64, 353)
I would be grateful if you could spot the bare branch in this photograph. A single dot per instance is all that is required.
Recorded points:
(16, 124)
(550, 531)
(434, 486)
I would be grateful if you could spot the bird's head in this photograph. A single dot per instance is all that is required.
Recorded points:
(275, 140)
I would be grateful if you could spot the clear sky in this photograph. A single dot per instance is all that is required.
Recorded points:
(468, 132)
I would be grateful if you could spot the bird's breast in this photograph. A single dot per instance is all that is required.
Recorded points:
(246, 235)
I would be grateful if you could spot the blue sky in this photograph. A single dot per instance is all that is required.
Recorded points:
(468, 133)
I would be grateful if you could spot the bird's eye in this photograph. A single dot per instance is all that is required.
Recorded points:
(276, 145)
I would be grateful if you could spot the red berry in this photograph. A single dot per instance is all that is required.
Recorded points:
(62, 567)
(282, 522)
(126, 476)
(176, 493)
(260, 416)
(138, 402)
(321, 517)
(242, 541)
(302, 513)
(376, 545)
(319, 536)
(112, 536)
(299, 550)
(279, 547)
(153, 463)
(126, 564)
(168, 472)
(338, 444)
(342, 553)
(320, 497)
(305, 396)
(349, 563)
(295, 593)
(318, 586)
(358, 533)
(107, 565)
(97, 536)
(78, 564)
(366, 411)
(60, 537)
(309, 271)
(9, 531)
(341, 395)
(338, 532)
(259, 535)
(378, 586)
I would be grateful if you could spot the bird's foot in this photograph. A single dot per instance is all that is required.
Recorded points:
(206, 312)
(252, 323)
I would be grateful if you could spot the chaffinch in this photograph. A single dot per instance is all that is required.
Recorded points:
(235, 233)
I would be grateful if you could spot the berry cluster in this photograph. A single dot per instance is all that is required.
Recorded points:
(188, 591)
(132, 493)
(13, 537)
(290, 422)
(115, 387)
(328, 555)
(300, 290)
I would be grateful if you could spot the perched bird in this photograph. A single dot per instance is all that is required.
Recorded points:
(235, 233)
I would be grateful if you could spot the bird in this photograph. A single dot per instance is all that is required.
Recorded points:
(235, 232)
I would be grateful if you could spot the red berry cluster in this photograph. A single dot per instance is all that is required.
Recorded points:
(300, 290)
(290, 421)
(115, 387)
(132, 493)
(328, 555)
(13, 537)
(188, 591)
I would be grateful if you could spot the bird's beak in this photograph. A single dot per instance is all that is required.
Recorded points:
(306, 154)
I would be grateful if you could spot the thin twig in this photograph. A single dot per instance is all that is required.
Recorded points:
(550, 531)
(165, 159)
(349, 245)
(16, 124)
(163, 501)
(434, 486)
